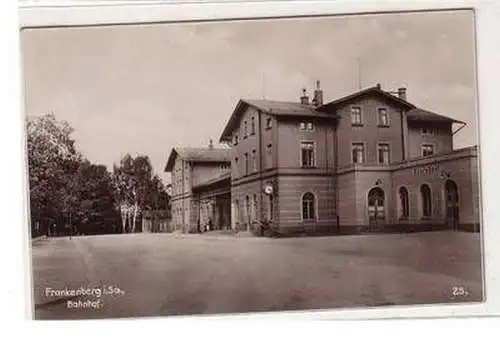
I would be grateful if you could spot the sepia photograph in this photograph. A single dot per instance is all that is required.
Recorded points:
(248, 166)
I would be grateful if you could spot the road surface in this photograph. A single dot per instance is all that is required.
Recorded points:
(176, 274)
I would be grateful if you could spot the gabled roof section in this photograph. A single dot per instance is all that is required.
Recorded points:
(226, 176)
(276, 108)
(198, 155)
(418, 114)
(375, 90)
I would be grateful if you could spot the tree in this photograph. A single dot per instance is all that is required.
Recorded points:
(137, 189)
(95, 211)
(52, 162)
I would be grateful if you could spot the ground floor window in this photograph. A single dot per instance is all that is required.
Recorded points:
(426, 197)
(404, 203)
(270, 207)
(376, 209)
(308, 212)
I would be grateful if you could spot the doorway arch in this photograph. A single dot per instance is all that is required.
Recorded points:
(376, 208)
(451, 204)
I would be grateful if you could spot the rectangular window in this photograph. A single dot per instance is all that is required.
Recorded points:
(254, 161)
(252, 127)
(306, 126)
(307, 153)
(269, 155)
(269, 123)
(245, 130)
(235, 139)
(383, 154)
(358, 153)
(254, 209)
(246, 163)
(427, 150)
(356, 116)
(383, 117)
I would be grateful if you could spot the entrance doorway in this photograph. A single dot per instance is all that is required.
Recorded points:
(376, 208)
(452, 209)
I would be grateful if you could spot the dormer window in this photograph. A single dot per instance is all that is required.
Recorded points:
(383, 117)
(429, 131)
(306, 126)
(356, 116)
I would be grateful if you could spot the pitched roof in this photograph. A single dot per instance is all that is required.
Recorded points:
(220, 178)
(198, 155)
(418, 114)
(371, 90)
(276, 108)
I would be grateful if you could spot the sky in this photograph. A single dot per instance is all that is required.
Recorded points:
(143, 89)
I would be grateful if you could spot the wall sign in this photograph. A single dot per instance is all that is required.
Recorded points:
(426, 170)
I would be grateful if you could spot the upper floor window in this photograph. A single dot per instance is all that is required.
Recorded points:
(269, 123)
(254, 160)
(246, 163)
(252, 126)
(235, 139)
(269, 151)
(306, 126)
(307, 154)
(358, 152)
(383, 117)
(245, 129)
(356, 116)
(427, 150)
(383, 154)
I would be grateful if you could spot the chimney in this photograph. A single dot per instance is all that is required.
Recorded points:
(318, 95)
(304, 99)
(211, 144)
(402, 93)
(379, 86)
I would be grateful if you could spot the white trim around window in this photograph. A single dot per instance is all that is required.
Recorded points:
(364, 151)
(360, 123)
(314, 153)
(315, 206)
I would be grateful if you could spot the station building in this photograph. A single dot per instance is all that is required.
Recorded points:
(371, 161)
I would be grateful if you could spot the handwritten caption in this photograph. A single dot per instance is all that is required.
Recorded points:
(85, 297)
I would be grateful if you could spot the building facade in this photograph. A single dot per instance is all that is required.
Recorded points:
(200, 179)
(370, 161)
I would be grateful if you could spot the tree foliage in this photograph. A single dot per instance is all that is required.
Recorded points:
(68, 191)
(137, 189)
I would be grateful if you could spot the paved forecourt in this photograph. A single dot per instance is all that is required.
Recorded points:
(171, 274)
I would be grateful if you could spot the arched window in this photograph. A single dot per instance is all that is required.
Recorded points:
(308, 212)
(404, 203)
(425, 193)
(376, 208)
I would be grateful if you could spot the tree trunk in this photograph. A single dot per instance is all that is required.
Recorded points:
(135, 216)
(130, 223)
(123, 213)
